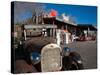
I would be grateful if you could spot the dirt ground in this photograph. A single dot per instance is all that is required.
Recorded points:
(88, 52)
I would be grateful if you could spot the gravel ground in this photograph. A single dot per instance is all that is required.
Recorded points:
(88, 52)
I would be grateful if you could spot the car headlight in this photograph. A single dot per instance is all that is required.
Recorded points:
(65, 51)
(35, 57)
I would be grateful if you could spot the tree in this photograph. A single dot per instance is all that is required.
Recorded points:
(27, 12)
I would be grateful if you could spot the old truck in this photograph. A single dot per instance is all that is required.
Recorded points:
(40, 51)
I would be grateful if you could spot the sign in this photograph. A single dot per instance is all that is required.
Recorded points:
(39, 26)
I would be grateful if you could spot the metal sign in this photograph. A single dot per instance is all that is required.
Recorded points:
(40, 26)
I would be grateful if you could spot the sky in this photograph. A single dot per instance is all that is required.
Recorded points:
(80, 14)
